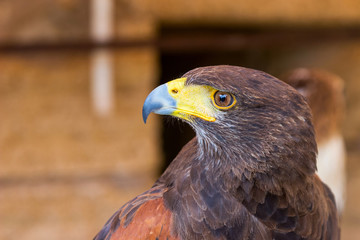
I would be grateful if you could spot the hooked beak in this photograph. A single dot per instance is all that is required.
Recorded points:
(159, 101)
(183, 101)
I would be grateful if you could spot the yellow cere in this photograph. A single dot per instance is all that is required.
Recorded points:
(192, 100)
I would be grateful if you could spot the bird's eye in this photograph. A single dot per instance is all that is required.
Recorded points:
(223, 100)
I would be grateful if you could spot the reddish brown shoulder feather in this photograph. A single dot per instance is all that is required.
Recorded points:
(151, 221)
(144, 217)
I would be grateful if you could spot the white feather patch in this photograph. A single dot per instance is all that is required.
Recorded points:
(331, 167)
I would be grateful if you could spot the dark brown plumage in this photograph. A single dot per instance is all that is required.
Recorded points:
(324, 92)
(249, 173)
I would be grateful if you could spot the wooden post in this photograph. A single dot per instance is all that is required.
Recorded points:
(102, 74)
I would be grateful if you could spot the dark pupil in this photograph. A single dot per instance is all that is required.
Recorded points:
(222, 97)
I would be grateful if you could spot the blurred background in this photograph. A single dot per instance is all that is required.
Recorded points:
(75, 73)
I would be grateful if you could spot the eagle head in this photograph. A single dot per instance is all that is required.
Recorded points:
(241, 115)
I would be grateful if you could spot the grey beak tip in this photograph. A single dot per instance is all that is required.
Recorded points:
(145, 114)
(158, 101)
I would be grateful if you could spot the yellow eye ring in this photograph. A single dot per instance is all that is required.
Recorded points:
(223, 100)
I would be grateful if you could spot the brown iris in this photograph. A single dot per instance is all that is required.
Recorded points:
(223, 100)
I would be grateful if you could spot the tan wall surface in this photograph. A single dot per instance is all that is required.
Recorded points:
(64, 170)
(298, 12)
(66, 20)
(43, 21)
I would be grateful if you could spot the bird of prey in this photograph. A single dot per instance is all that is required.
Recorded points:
(248, 174)
(324, 93)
